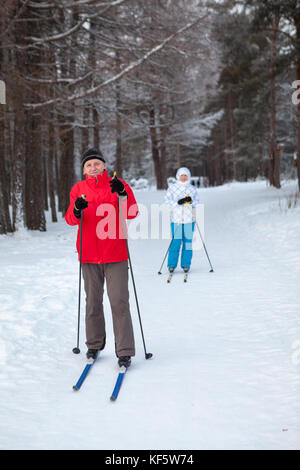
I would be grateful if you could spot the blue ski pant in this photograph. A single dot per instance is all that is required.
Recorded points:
(183, 235)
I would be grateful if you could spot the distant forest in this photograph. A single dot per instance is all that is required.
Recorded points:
(155, 84)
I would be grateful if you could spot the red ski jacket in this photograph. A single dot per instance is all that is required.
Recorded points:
(103, 239)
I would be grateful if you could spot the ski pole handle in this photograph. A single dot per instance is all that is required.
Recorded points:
(83, 196)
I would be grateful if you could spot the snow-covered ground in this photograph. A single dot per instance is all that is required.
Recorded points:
(226, 367)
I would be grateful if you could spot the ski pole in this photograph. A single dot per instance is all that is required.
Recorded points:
(76, 350)
(147, 355)
(159, 272)
(211, 268)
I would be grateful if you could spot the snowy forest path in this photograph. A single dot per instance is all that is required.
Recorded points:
(223, 374)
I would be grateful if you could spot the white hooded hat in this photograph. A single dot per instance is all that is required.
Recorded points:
(183, 171)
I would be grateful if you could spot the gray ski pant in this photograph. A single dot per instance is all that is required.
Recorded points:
(116, 276)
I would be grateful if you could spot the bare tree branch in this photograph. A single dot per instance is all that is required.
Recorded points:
(75, 28)
(69, 81)
(120, 75)
(56, 37)
(59, 4)
(21, 9)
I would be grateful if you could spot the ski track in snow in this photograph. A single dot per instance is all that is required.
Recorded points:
(223, 375)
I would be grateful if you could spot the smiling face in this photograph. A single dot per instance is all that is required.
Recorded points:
(183, 178)
(94, 167)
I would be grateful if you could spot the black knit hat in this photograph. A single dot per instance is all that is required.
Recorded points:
(90, 154)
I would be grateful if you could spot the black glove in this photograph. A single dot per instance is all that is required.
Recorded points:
(117, 186)
(184, 200)
(79, 205)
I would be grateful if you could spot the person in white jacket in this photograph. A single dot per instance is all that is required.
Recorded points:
(182, 197)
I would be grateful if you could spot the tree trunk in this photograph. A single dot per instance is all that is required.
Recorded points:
(5, 117)
(85, 130)
(34, 176)
(66, 170)
(232, 136)
(178, 155)
(118, 160)
(155, 150)
(297, 25)
(5, 222)
(18, 170)
(66, 176)
(96, 128)
(50, 170)
(44, 163)
(274, 156)
(164, 129)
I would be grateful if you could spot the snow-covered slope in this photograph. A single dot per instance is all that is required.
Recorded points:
(226, 367)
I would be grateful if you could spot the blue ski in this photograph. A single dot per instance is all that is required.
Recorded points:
(119, 381)
(81, 379)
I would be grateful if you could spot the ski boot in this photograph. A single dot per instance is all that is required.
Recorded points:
(92, 354)
(124, 361)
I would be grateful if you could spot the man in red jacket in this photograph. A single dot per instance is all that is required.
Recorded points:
(104, 252)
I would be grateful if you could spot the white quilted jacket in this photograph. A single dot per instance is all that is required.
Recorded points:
(182, 213)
